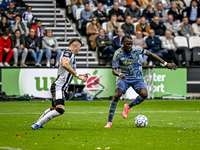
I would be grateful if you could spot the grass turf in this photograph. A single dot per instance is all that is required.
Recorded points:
(172, 125)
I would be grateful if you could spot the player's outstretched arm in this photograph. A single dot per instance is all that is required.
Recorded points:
(67, 66)
(168, 65)
(116, 73)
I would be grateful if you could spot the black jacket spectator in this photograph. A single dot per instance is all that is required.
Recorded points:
(118, 13)
(108, 42)
(187, 12)
(133, 13)
(32, 43)
(128, 29)
(153, 43)
(175, 15)
(148, 15)
(158, 28)
(101, 14)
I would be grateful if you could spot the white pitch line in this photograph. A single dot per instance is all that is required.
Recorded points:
(10, 148)
(104, 112)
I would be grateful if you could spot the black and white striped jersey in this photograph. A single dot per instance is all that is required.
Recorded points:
(64, 77)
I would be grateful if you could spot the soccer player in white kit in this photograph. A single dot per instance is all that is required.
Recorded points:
(66, 72)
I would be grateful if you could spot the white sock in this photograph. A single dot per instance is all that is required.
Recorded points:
(45, 112)
(52, 114)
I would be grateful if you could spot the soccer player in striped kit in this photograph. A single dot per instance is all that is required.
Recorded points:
(66, 72)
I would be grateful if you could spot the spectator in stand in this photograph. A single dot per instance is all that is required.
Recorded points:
(154, 45)
(18, 24)
(20, 4)
(121, 2)
(192, 12)
(134, 12)
(39, 29)
(148, 13)
(93, 31)
(166, 3)
(186, 28)
(28, 17)
(138, 40)
(175, 12)
(196, 27)
(180, 4)
(160, 12)
(49, 46)
(107, 4)
(33, 46)
(92, 3)
(101, 14)
(116, 11)
(148, 2)
(158, 27)
(172, 25)
(143, 27)
(117, 41)
(128, 27)
(11, 13)
(169, 44)
(5, 47)
(75, 4)
(19, 48)
(112, 26)
(104, 45)
(5, 3)
(4, 26)
(86, 16)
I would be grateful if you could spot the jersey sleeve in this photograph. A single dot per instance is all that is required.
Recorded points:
(67, 54)
(140, 50)
(115, 61)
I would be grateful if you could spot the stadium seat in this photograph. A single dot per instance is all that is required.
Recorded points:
(107, 11)
(194, 45)
(78, 13)
(181, 42)
(121, 23)
(122, 8)
(104, 26)
(135, 24)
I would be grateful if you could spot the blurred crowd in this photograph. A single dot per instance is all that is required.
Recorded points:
(23, 35)
(153, 24)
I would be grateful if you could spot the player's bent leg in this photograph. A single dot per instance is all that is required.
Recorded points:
(60, 109)
(142, 96)
(113, 105)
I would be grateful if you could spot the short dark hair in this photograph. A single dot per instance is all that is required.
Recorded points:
(5, 33)
(126, 37)
(75, 39)
(18, 16)
(28, 7)
(185, 17)
(86, 3)
(17, 30)
(38, 21)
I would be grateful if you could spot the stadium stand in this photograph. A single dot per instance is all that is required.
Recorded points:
(44, 10)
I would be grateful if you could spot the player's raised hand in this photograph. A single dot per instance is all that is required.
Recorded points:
(171, 66)
(83, 78)
(122, 76)
(85, 75)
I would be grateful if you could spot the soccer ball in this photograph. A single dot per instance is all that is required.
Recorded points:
(141, 121)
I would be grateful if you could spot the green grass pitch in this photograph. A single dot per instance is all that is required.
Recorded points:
(173, 125)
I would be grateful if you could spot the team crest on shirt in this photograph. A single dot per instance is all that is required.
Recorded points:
(66, 54)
